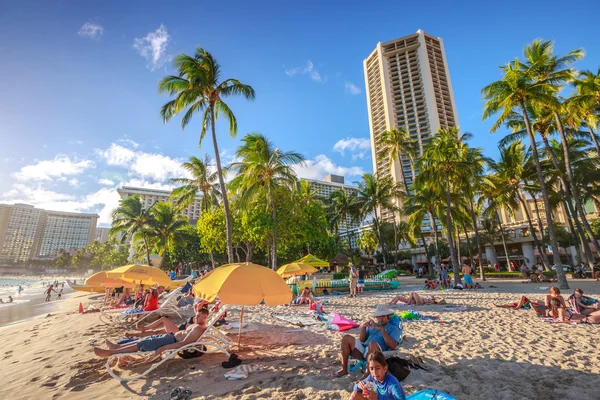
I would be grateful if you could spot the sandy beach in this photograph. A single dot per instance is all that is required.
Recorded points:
(481, 353)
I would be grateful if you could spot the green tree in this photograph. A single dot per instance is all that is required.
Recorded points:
(199, 89)
(168, 227)
(262, 168)
(211, 231)
(514, 92)
(202, 181)
(343, 210)
(131, 219)
(375, 193)
(587, 102)
(63, 260)
(398, 145)
(367, 242)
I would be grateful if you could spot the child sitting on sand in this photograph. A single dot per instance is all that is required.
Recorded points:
(380, 384)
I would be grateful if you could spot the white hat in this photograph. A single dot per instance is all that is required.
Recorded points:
(381, 312)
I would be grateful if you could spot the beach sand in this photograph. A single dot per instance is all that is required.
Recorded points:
(481, 353)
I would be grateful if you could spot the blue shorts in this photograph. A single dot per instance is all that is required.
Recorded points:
(151, 343)
(468, 279)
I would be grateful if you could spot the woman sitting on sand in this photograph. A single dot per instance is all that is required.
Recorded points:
(415, 299)
(305, 297)
(581, 304)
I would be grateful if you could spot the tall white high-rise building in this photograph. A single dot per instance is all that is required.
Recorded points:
(151, 196)
(408, 85)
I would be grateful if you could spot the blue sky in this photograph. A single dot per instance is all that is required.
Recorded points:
(79, 109)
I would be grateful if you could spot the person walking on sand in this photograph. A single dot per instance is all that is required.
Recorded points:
(467, 271)
(353, 280)
(49, 291)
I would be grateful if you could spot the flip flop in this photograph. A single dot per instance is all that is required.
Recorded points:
(233, 362)
(184, 395)
(175, 393)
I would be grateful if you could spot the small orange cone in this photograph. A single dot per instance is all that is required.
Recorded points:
(80, 308)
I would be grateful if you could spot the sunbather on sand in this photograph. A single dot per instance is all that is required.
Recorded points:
(584, 304)
(159, 343)
(305, 297)
(523, 302)
(379, 336)
(415, 299)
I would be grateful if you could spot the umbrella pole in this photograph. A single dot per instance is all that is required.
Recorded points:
(240, 330)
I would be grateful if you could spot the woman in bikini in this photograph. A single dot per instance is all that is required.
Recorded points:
(583, 305)
(415, 299)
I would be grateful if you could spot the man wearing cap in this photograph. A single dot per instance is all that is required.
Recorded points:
(374, 336)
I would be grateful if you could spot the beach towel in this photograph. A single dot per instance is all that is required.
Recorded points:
(340, 323)
(458, 308)
(430, 394)
(414, 316)
(242, 371)
(298, 320)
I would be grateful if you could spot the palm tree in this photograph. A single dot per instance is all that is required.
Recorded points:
(513, 92)
(168, 227)
(444, 158)
(342, 210)
(398, 144)
(202, 181)
(544, 66)
(264, 169)
(374, 194)
(426, 200)
(199, 88)
(131, 219)
(588, 102)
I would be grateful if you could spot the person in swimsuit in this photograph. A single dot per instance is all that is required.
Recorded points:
(49, 291)
(10, 299)
(467, 271)
(151, 301)
(306, 297)
(158, 343)
(586, 305)
(415, 299)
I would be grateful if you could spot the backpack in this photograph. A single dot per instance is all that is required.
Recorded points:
(399, 367)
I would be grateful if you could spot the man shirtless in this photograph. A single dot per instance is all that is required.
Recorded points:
(159, 343)
(467, 271)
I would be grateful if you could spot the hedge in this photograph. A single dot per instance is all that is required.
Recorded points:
(340, 275)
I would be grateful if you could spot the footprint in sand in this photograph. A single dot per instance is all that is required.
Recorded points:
(34, 379)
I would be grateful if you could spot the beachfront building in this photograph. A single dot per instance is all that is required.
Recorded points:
(151, 196)
(102, 235)
(324, 188)
(407, 85)
(27, 232)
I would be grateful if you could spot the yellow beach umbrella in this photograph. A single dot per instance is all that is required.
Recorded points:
(243, 284)
(141, 275)
(312, 260)
(102, 279)
(295, 268)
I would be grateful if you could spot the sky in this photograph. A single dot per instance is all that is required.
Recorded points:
(79, 106)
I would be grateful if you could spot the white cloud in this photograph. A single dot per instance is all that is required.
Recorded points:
(91, 30)
(309, 70)
(117, 155)
(74, 182)
(322, 166)
(351, 88)
(352, 144)
(153, 47)
(106, 182)
(46, 170)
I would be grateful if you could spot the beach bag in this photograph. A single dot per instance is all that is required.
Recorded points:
(190, 353)
(399, 367)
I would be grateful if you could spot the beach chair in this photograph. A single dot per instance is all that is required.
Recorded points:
(211, 341)
(361, 365)
(126, 317)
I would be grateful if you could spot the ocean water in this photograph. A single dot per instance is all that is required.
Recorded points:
(32, 288)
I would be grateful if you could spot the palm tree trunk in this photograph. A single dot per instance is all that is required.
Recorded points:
(429, 266)
(395, 245)
(503, 241)
(460, 256)
(571, 179)
(562, 279)
(464, 226)
(572, 229)
(536, 241)
(545, 261)
(376, 221)
(228, 220)
(274, 247)
(453, 259)
(567, 190)
(477, 239)
(212, 260)
(595, 140)
(147, 248)
(438, 261)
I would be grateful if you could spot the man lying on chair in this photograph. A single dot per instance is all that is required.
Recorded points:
(158, 343)
(374, 336)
